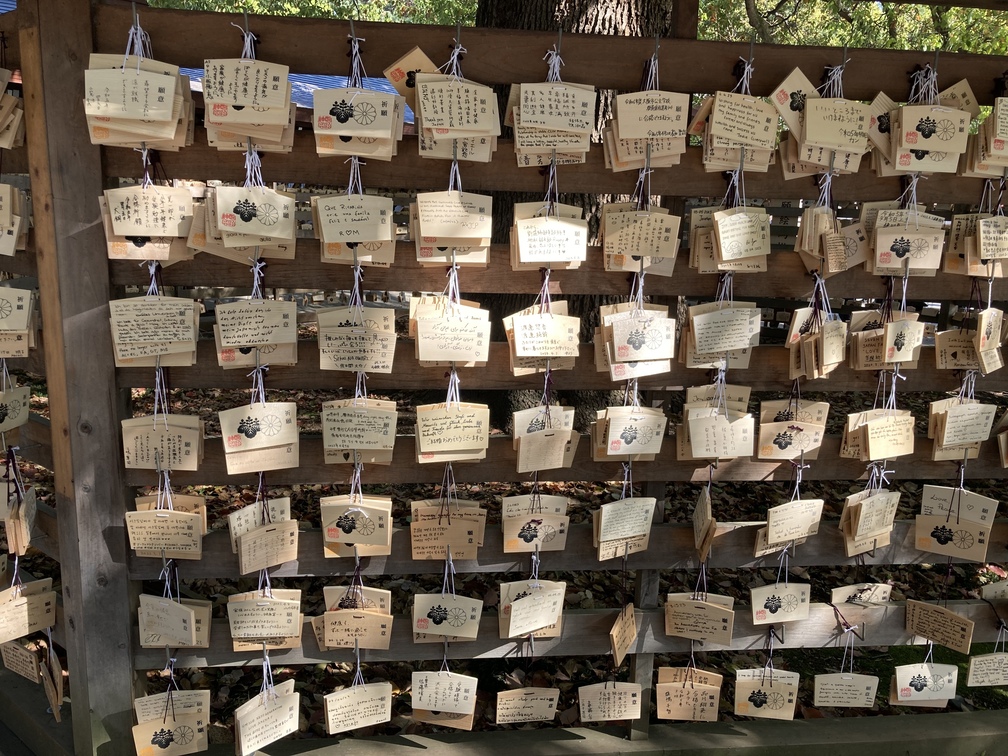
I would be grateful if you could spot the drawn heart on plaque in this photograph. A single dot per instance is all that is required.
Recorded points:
(346, 456)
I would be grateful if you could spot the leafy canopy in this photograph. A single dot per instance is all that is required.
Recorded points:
(790, 22)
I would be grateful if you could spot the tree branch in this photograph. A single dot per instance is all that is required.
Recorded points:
(758, 22)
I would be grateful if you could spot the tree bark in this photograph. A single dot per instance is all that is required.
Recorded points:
(634, 18)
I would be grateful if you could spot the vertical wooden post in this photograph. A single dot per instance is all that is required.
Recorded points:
(646, 597)
(66, 178)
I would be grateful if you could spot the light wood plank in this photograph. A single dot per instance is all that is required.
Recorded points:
(586, 633)
(410, 171)
(786, 277)
(767, 371)
(733, 548)
(500, 465)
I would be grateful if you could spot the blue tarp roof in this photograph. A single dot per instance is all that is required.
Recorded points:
(303, 85)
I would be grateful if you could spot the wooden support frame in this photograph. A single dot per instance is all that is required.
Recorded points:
(86, 393)
(500, 465)
(84, 406)
(586, 634)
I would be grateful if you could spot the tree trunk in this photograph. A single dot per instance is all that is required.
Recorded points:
(635, 18)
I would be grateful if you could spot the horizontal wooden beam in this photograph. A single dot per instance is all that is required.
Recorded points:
(22, 263)
(955, 734)
(46, 537)
(733, 548)
(785, 278)
(586, 633)
(500, 465)
(407, 170)
(767, 371)
(186, 38)
(14, 161)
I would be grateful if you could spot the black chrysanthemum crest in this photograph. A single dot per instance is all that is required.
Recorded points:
(919, 154)
(900, 247)
(249, 427)
(942, 534)
(900, 341)
(437, 614)
(783, 440)
(537, 424)
(4, 412)
(520, 595)
(918, 682)
(758, 699)
(872, 325)
(348, 601)
(529, 531)
(245, 209)
(858, 596)
(343, 111)
(783, 416)
(138, 241)
(629, 435)
(636, 338)
(347, 523)
(883, 123)
(162, 738)
(797, 103)
(773, 603)
(246, 350)
(411, 78)
(927, 127)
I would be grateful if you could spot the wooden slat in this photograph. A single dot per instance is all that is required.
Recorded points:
(786, 277)
(45, 537)
(586, 633)
(23, 708)
(14, 161)
(22, 263)
(83, 400)
(35, 441)
(410, 171)
(768, 371)
(733, 548)
(34, 362)
(960, 734)
(500, 465)
(186, 38)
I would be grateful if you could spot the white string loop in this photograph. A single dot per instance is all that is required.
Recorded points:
(553, 62)
(248, 42)
(258, 376)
